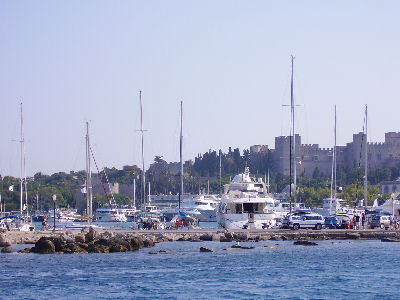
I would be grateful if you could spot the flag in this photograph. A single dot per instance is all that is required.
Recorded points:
(11, 188)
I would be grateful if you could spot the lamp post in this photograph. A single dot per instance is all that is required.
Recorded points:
(54, 211)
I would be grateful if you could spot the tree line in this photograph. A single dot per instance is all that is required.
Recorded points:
(200, 176)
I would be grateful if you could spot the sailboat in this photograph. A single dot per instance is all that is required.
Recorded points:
(182, 217)
(87, 189)
(20, 222)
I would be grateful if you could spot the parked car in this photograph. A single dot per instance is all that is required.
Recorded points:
(380, 221)
(300, 212)
(309, 220)
(344, 220)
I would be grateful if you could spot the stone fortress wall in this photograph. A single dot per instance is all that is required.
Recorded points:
(310, 157)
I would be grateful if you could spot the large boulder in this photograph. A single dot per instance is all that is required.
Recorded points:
(44, 246)
(206, 237)
(148, 243)
(91, 235)
(204, 249)
(137, 243)
(80, 238)
(305, 243)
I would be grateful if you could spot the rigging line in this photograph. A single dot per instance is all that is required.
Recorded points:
(102, 183)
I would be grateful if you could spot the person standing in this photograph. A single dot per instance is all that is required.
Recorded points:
(44, 223)
(363, 220)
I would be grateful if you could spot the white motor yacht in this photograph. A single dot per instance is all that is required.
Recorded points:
(106, 214)
(246, 204)
(205, 204)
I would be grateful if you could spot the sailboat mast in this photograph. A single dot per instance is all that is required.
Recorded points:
(22, 162)
(291, 138)
(143, 171)
(335, 163)
(220, 172)
(180, 161)
(88, 178)
(134, 191)
(366, 159)
(333, 174)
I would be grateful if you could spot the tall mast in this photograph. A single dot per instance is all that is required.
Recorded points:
(143, 171)
(220, 172)
(88, 178)
(22, 161)
(366, 160)
(292, 140)
(333, 175)
(134, 191)
(180, 161)
(335, 163)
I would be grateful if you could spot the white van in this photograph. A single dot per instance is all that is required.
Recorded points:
(312, 220)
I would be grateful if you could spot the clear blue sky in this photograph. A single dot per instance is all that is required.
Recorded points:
(229, 61)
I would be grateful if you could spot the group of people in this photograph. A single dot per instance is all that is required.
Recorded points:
(358, 222)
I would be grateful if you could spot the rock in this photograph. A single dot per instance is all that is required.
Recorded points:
(91, 235)
(6, 250)
(80, 238)
(206, 237)
(117, 248)
(275, 238)
(4, 242)
(44, 246)
(352, 235)
(242, 236)
(26, 250)
(204, 249)
(107, 234)
(216, 237)
(95, 248)
(148, 243)
(29, 241)
(305, 243)
(272, 246)
(391, 240)
(136, 243)
(73, 248)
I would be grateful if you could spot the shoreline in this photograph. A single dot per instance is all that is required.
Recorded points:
(221, 235)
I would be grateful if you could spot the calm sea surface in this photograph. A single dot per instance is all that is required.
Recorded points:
(333, 269)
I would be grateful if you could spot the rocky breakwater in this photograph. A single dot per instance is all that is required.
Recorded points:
(91, 242)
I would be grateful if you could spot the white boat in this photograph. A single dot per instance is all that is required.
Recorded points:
(15, 223)
(282, 209)
(129, 212)
(246, 204)
(206, 205)
(82, 226)
(106, 214)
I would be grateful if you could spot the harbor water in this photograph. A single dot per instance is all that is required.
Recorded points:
(339, 269)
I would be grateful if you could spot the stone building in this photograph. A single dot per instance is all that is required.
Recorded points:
(310, 157)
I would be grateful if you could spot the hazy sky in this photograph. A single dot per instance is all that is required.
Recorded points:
(228, 61)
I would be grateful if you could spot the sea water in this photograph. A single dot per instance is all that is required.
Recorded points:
(333, 269)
